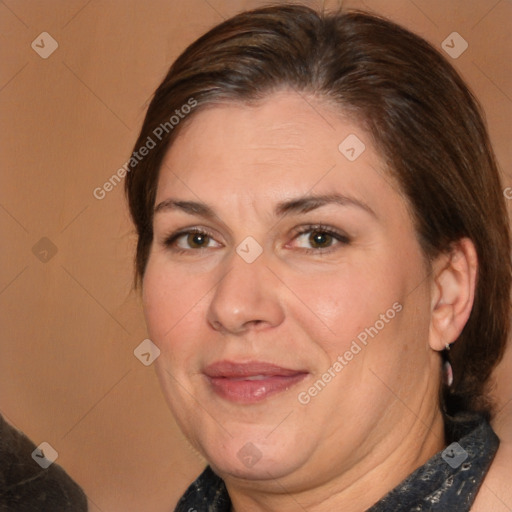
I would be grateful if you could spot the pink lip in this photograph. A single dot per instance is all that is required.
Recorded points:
(230, 380)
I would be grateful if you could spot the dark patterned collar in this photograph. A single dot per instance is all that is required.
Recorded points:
(447, 481)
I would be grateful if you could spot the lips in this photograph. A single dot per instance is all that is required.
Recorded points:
(250, 382)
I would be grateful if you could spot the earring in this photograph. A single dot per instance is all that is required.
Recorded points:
(448, 373)
(448, 346)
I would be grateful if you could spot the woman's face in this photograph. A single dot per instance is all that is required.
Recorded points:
(287, 293)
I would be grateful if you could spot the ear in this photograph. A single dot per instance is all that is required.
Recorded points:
(453, 293)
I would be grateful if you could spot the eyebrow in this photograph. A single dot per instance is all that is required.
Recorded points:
(299, 205)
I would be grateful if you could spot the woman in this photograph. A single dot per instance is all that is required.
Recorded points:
(325, 264)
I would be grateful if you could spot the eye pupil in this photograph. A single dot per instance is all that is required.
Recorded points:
(318, 238)
(197, 239)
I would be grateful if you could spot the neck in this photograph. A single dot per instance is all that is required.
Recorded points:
(380, 470)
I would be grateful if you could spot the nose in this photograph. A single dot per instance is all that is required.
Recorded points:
(246, 297)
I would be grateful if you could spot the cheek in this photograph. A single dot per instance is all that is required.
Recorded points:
(346, 300)
(366, 299)
(158, 303)
(171, 303)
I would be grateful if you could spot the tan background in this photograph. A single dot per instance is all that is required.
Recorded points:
(70, 325)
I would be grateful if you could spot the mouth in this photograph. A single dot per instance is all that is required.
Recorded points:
(251, 382)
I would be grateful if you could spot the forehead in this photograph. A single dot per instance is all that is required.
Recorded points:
(285, 146)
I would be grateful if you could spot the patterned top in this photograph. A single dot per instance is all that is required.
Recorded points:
(447, 481)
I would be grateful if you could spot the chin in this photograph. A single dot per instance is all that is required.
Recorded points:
(246, 457)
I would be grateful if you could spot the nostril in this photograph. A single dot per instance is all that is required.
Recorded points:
(216, 325)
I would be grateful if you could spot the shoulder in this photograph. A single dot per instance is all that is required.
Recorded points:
(26, 485)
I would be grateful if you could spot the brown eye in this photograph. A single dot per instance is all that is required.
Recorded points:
(197, 240)
(190, 240)
(320, 239)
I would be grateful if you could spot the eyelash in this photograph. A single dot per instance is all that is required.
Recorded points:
(170, 240)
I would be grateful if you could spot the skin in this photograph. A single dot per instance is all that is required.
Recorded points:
(495, 494)
(378, 419)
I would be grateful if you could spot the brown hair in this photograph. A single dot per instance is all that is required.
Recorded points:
(422, 118)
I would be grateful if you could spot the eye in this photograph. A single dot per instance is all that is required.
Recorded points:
(316, 239)
(190, 239)
(320, 238)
